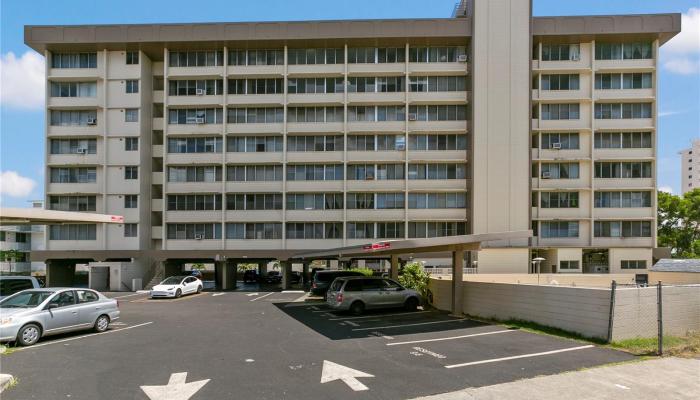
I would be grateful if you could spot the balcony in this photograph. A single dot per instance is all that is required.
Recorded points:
(438, 214)
(437, 155)
(624, 94)
(70, 188)
(75, 74)
(158, 96)
(192, 216)
(561, 213)
(195, 129)
(255, 128)
(315, 156)
(624, 183)
(156, 178)
(258, 71)
(202, 101)
(376, 156)
(376, 98)
(617, 65)
(156, 204)
(76, 130)
(373, 185)
(315, 69)
(190, 244)
(255, 99)
(315, 186)
(300, 244)
(315, 99)
(438, 97)
(437, 126)
(254, 187)
(196, 72)
(624, 154)
(561, 95)
(194, 187)
(74, 103)
(376, 215)
(254, 216)
(73, 159)
(438, 184)
(314, 215)
(562, 184)
(378, 69)
(631, 123)
(254, 244)
(377, 126)
(314, 127)
(624, 213)
(157, 150)
(447, 68)
(157, 232)
(157, 124)
(194, 158)
(267, 157)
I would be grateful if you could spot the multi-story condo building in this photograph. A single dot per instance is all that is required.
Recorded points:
(690, 167)
(16, 244)
(254, 141)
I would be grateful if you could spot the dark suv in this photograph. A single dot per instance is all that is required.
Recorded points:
(323, 279)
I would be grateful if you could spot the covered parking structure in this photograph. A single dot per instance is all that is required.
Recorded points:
(452, 246)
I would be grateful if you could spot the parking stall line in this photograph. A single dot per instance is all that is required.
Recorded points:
(130, 295)
(451, 337)
(380, 316)
(263, 296)
(413, 324)
(351, 323)
(82, 337)
(544, 353)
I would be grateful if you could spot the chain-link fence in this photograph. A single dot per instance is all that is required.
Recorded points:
(653, 311)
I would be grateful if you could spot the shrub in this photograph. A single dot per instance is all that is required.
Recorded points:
(363, 271)
(414, 277)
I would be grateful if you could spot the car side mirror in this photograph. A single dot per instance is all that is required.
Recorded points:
(52, 306)
(399, 289)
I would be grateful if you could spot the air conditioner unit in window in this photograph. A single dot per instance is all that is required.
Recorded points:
(199, 120)
(412, 117)
(556, 146)
(462, 58)
(198, 237)
(92, 121)
(200, 92)
(81, 151)
(546, 175)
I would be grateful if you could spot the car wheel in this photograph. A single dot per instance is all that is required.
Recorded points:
(28, 334)
(199, 289)
(411, 304)
(101, 324)
(178, 294)
(357, 308)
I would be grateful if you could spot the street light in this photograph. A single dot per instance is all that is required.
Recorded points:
(538, 261)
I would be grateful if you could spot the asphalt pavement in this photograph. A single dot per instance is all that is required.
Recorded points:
(275, 345)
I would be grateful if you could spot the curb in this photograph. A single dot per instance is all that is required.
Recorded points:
(5, 381)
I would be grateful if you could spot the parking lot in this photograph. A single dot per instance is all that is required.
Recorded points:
(275, 345)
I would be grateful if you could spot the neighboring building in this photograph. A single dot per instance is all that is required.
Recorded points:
(675, 271)
(690, 167)
(255, 141)
(16, 244)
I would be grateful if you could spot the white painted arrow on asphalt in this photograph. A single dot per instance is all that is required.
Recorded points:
(252, 294)
(176, 389)
(332, 371)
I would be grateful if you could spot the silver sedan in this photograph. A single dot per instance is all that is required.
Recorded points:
(27, 316)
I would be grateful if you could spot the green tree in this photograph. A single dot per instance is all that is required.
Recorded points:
(414, 277)
(679, 223)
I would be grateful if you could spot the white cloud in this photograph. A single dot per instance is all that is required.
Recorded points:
(15, 185)
(669, 113)
(22, 80)
(666, 189)
(681, 55)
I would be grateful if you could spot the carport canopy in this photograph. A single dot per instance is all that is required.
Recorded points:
(40, 216)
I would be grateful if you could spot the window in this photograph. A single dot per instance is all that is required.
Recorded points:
(315, 56)
(73, 89)
(436, 200)
(423, 142)
(563, 141)
(263, 115)
(256, 57)
(558, 200)
(437, 171)
(314, 85)
(196, 116)
(315, 143)
(360, 230)
(131, 144)
(391, 84)
(437, 54)
(132, 86)
(560, 82)
(131, 201)
(73, 232)
(314, 230)
(314, 114)
(360, 201)
(623, 51)
(130, 230)
(73, 118)
(622, 229)
(74, 60)
(614, 169)
(436, 229)
(194, 202)
(195, 145)
(191, 87)
(376, 113)
(201, 231)
(131, 172)
(560, 111)
(437, 113)
(390, 201)
(64, 299)
(622, 199)
(253, 144)
(253, 173)
(315, 172)
(72, 203)
(633, 264)
(254, 230)
(438, 84)
(314, 201)
(196, 58)
(623, 140)
(73, 175)
(622, 110)
(560, 171)
(207, 173)
(132, 57)
(86, 296)
(73, 146)
(558, 229)
(561, 52)
(390, 230)
(131, 115)
(636, 80)
(570, 264)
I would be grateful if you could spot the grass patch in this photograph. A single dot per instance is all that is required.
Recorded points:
(6, 350)
(678, 346)
(534, 327)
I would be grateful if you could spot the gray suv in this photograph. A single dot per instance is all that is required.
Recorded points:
(356, 294)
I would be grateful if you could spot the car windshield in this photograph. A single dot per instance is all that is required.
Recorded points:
(25, 300)
(173, 280)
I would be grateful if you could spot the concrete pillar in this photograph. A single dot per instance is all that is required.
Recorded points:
(262, 267)
(286, 267)
(394, 269)
(457, 271)
(305, 278)
(225, 274)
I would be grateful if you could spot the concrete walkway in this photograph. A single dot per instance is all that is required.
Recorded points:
(666, 378)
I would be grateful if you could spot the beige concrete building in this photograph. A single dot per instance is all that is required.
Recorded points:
(225, 142)
(690, 167)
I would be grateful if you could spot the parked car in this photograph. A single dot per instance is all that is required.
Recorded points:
(273, 277)
(31, 314)
(323, 279)
(356, 294)
(250, 275)
(176, 286)
(10, 285)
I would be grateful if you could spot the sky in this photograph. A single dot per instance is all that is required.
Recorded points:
(22, 69)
